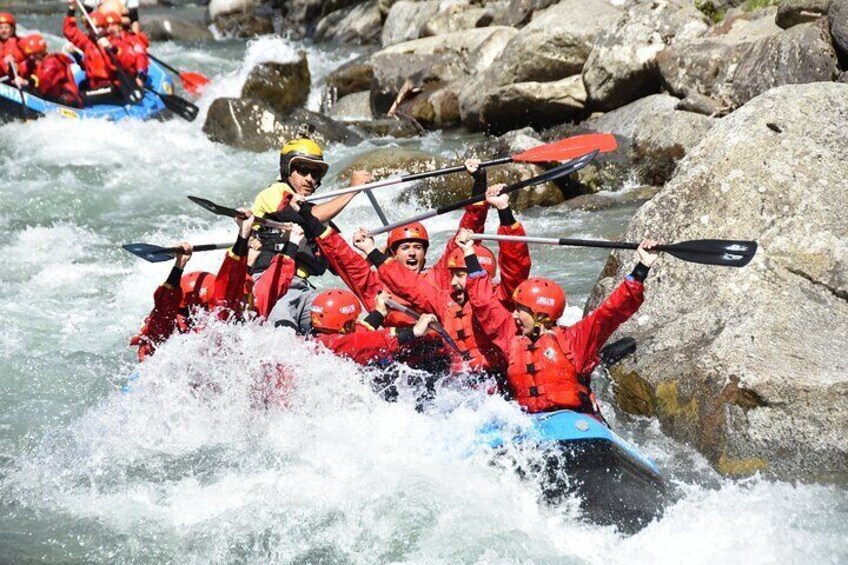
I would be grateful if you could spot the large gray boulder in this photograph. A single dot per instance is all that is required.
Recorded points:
(159, 27)
(622, 65)
(405, 20)
(750, 58)
(653, 136)
(554, 46)
(748, 365)
(517, 13)
(357, 24)
(282, 86)
(837, 16)
(793, 12)
(455, 17)
(356, 106)
(353, 76)
(252, 125)
(533, 103)
(238, 18)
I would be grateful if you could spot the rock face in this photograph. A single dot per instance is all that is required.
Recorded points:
(354, 76)
(353, 106)
(654, 136)
(748, 365)
(237, 18)
(552, 47)
(282, 86)
(359, 24)
(405, 20)
(753, 56)
(454, 18)
(251, 125)
(837, 16)
(793, 12)
(622, 65)
(533, 103)
(166, 28)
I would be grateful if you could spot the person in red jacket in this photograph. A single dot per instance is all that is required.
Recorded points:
(50, 76)
(334, 324)
(549, 366)
(180, 295)
(450, 302)
(101, 56)
(10, 51)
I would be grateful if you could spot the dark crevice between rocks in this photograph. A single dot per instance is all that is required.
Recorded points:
(743, 397)
(840, 294)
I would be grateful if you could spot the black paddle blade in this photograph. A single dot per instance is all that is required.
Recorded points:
(180, 106)
(215, 208)
(148, 252)
(724, 252)
(555, 173)
(617, 350)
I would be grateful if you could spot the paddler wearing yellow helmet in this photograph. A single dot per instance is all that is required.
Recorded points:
(302, 166)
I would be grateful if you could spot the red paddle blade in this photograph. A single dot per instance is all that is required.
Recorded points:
(193, 82)
(568, 148)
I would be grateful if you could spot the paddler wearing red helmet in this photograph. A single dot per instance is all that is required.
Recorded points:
(549, 366)
(336, 325)
(446, 296)
(100, 54)
(49, 75)
(10, 51)
(182, 295)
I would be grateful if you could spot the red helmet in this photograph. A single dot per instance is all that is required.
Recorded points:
(7, 18)
(334, 310)
(99, 19)
(111, 18)
(410, 232)
(33, 45)
(197, 289)
(484, 256)
(542, 297)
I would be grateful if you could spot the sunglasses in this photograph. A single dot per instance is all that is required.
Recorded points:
(305, 170)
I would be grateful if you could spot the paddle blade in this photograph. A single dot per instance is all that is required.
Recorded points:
(148, 252)
(568, 148)
(723, 252)
(214, 208)
(180, 106)
(193, 83)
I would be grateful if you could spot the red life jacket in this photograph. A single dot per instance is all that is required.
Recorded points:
(54, 80)
(542, 376)
(10, 47)
(458, 322)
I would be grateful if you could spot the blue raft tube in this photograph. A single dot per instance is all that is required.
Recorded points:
(615, 483)
(159, 81)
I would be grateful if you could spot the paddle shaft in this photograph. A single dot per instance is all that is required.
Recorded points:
(201, 247)
(688, 246)
(576, 164)
(437, 327)
(18, 86)
(403, 179)
(163, 63)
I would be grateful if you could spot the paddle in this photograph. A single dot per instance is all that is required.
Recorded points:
(562, 150)
(156, 254)
(180, 106)
(723, 252)
(435, 325)
(233, 213)
(14, 68)
(192, 82)
(553, 174)
(127, 87)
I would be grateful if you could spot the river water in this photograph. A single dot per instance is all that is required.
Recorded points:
(187, 469)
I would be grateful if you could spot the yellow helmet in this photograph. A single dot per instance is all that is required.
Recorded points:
(303, 149)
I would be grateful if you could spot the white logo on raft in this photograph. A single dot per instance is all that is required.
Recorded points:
(544, 301)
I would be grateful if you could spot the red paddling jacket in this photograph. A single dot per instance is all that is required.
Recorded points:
(99, 69)
(552, 372)
(10, 47)
(53, 79)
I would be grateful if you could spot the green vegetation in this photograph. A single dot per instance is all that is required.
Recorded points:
(709, 9)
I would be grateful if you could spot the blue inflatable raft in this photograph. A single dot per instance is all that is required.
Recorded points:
(614, 481)
(151, 106)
